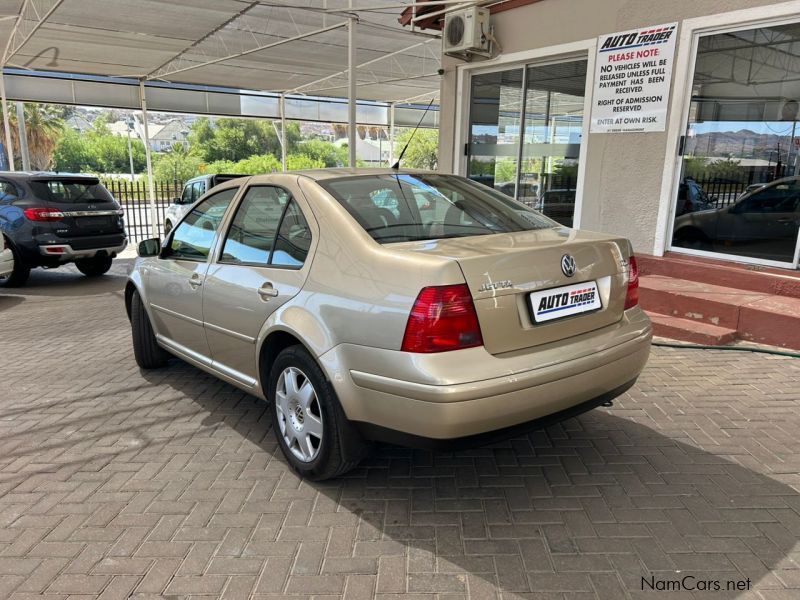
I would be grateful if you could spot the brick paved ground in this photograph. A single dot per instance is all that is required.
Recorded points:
(169, 484)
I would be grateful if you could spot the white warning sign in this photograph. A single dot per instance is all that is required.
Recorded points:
(633, 71)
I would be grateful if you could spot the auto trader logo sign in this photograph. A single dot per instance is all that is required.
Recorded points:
(632, 77)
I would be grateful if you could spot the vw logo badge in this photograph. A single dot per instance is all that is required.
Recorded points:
(568, 266)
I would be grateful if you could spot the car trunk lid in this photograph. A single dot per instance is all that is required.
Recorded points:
(504, 272)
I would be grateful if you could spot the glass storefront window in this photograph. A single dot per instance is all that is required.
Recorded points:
(543, 172)
(739, 192)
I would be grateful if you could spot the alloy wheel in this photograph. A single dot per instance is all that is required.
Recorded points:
(299, 414)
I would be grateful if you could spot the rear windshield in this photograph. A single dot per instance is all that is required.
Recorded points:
(406, 208)
(70, 191)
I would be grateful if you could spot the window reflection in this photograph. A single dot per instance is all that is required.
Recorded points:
(738, 192)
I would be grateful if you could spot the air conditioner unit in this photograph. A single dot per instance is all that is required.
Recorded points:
(467, 32)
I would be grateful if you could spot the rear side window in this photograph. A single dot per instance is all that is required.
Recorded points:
(294, 239)
(252, 233)
(406, 207)
(8, 193)
(70, 191)
(192, 238)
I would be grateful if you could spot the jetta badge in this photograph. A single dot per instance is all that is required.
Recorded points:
(568, 266)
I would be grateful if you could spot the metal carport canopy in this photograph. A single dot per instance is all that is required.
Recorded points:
(308, 47)
(283, 46)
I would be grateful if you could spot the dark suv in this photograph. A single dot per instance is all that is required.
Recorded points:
(51, 219)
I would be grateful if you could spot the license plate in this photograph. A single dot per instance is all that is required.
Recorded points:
(566, 301)
(92, 221)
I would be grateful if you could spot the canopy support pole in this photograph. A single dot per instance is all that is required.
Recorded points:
(6, 125)
(351, 93)
(150, 185)
(23, 137)
(283, 131)
(391, 134)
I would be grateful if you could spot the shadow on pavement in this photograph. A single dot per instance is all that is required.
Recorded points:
(67, 281)
(593, 505)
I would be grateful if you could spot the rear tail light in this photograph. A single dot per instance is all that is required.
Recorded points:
(43, 214)
(632, 296)
(443, 318)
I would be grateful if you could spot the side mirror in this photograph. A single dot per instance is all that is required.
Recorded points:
(151, 247)
(177, 200)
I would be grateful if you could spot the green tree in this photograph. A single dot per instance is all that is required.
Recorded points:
(505, 170)
(298, 162)
(238, 139)
(98, 151)
(72, 154)
(329, 154)
(177, 164)
(725, 168)
(423, 151)
(43, 127)
(695, 166)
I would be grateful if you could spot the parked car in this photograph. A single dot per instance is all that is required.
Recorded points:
(765, 220)
(692, 197)
(6, 258)
(53, 219)
(192, 191)
(452, 324)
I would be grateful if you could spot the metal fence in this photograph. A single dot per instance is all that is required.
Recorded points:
(134, 197)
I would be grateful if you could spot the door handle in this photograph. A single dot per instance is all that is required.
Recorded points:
(267, 291)
(195, 281)
(785, 220)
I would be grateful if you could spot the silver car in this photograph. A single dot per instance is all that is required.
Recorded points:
(400, 306)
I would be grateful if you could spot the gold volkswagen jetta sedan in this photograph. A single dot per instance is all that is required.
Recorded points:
(400, 306)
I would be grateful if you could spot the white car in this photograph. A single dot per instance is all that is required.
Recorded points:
(6, 258)
(192, 191)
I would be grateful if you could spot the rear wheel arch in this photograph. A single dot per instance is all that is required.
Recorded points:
(274, 344)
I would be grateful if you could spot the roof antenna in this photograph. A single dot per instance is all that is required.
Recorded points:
(396, 165)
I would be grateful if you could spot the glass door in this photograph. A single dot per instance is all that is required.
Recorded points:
(551, 148)
(739, 190)
(495, 112)
(539, 167)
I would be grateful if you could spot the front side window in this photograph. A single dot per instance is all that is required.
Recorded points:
(194, 235)
(198, 189)
(186, 196)
(430, 207)
(252, 233)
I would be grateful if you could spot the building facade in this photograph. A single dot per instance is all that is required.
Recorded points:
(520, 122)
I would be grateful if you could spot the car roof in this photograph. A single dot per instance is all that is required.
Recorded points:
(341, 172)
(34, 175)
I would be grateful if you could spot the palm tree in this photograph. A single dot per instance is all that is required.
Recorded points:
(43, 125)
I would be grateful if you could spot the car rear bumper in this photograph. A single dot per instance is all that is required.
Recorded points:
(6, 262)
(524, 386)
(66, 253)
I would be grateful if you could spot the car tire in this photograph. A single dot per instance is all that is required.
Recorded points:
(146, 351)
(339, 447)
(95, 266)
(167, 228)
(19, 275)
